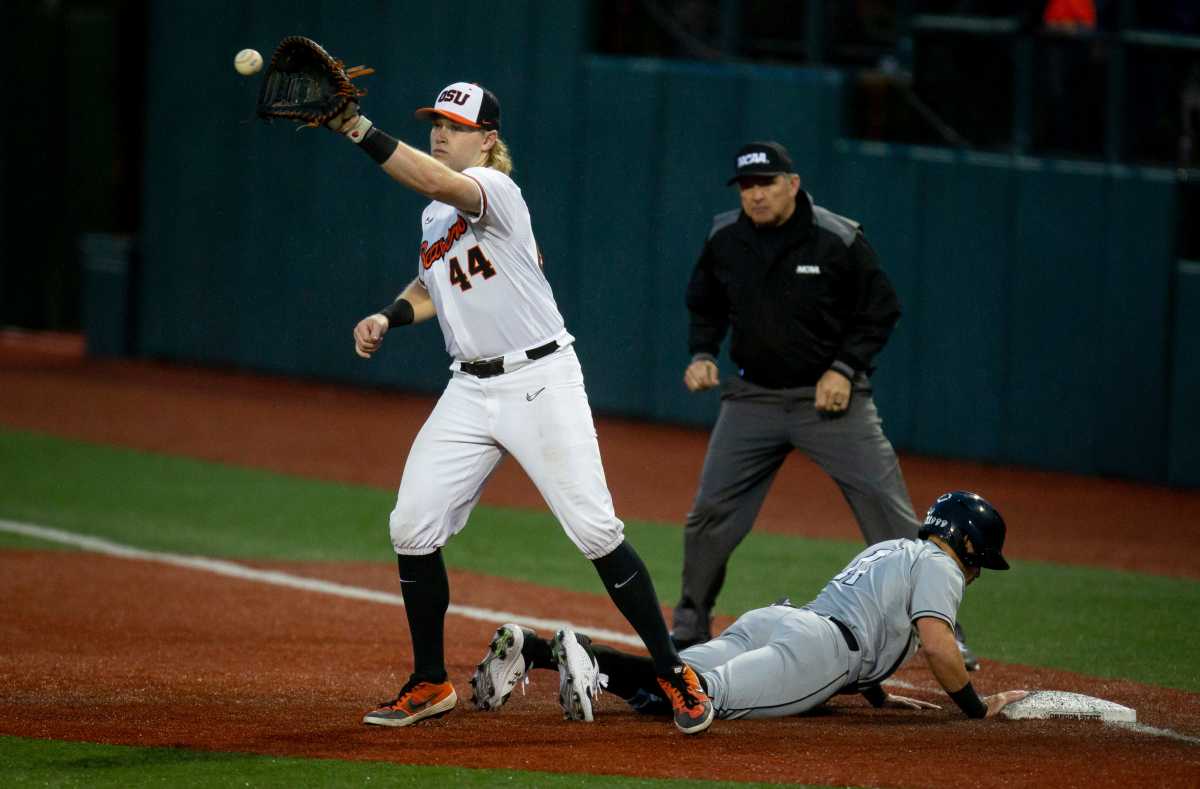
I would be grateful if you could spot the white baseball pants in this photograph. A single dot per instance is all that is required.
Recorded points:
(538, 413)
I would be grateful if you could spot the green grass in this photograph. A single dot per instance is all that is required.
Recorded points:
(1100, 622)
(1105, 623)
(174, 504)
(50, 763)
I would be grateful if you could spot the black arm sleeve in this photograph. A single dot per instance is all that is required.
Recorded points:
(873, 307)
(708, 308)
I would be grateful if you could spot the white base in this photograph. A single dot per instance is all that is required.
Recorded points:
(1072, 706)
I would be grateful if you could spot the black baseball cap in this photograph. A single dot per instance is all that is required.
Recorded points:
(466, 104)
(761, 158)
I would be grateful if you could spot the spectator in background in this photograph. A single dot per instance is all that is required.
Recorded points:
(1069, 15)
(1070, 73)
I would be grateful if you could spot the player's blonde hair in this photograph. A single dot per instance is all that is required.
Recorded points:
(499, 158)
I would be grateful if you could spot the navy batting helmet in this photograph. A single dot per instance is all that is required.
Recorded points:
(960, 516)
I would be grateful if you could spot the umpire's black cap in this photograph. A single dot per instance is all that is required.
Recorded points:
(761, 158)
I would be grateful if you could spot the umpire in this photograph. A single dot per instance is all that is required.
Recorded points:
(810, 309)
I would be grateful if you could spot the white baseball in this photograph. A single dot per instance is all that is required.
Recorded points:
(248, 62)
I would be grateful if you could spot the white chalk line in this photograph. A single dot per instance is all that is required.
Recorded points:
(277, 578)
(1154, 731)
(1140, 728)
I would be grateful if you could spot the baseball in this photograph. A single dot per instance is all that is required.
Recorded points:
(248, 62)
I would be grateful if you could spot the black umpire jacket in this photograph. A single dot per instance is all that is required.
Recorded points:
(802, 298)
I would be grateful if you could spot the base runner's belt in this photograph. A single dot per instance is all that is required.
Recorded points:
(845, 630)
(493, 367)
(847, 634)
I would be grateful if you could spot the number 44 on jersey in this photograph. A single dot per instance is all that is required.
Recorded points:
(477, 263)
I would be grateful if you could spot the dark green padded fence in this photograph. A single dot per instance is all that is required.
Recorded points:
(1038, 296)
(1185, 417)
(1036, 301)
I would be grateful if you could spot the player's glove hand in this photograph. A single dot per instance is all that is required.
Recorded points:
(345, 120)
(306, 84)
(904, 702)
(368, 335)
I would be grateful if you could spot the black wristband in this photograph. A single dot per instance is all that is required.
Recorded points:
(969, 702)
(378, 145)
(398, 313)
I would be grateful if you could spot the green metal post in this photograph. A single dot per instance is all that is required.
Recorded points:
(816, 31)
(1022, 92)
(1114, 131)
(731, 27)
(904, 40)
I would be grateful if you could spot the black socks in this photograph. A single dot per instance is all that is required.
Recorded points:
(627, 674)
(426, 590)
(537, 653)
(629, 585)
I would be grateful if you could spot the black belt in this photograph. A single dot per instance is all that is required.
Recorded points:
(851, 641)
(492, 367)
(847, 634)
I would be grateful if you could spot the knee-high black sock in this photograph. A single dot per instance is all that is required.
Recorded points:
(426, 590)
(627, 674)
(630, 587)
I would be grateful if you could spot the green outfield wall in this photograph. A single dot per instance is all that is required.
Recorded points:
(1037, 297)
(1041, 298)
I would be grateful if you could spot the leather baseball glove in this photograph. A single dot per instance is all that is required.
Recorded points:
(306, 84)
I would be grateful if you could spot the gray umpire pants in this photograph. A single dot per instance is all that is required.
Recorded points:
(755, 431)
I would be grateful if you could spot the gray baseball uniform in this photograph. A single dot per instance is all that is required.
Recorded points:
(782, 660)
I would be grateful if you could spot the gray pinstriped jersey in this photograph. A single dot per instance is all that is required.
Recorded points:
(883, 591)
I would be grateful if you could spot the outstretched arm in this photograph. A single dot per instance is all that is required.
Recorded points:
(415, 169)
(946, 663)
(422, 173)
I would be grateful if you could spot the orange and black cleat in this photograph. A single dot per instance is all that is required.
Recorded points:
(692, 707)
(417, 701)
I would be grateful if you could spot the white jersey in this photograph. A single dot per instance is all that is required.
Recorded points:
(882, 593)
(484, 274)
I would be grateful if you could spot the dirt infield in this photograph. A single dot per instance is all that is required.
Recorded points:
(222, 664)
(129, 652)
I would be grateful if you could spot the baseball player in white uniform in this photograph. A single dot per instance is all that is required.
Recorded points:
(515, 388)
(783, 659)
